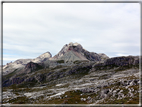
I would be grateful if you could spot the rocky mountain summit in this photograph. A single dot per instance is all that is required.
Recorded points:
(73, 76)
(74, 51)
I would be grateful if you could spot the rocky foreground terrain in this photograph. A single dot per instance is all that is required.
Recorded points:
(73, 76)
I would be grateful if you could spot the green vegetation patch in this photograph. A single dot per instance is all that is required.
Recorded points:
(21, 100)
(80, 61)
(60, 61)
(57, 67)
(70, 97)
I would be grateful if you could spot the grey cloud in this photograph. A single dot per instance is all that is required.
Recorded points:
(31, 31)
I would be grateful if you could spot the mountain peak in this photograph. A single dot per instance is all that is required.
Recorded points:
(75, 47)
(74, 51)
(73, 44)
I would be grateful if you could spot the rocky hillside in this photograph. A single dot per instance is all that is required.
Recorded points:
(110, 81)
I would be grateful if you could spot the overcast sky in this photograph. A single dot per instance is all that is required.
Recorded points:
(31, 29)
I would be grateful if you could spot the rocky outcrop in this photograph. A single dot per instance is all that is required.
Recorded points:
(121, 62)
(92, 56)
(103, 56)
(31, 66)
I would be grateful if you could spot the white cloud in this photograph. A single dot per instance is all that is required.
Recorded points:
(30, 29)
